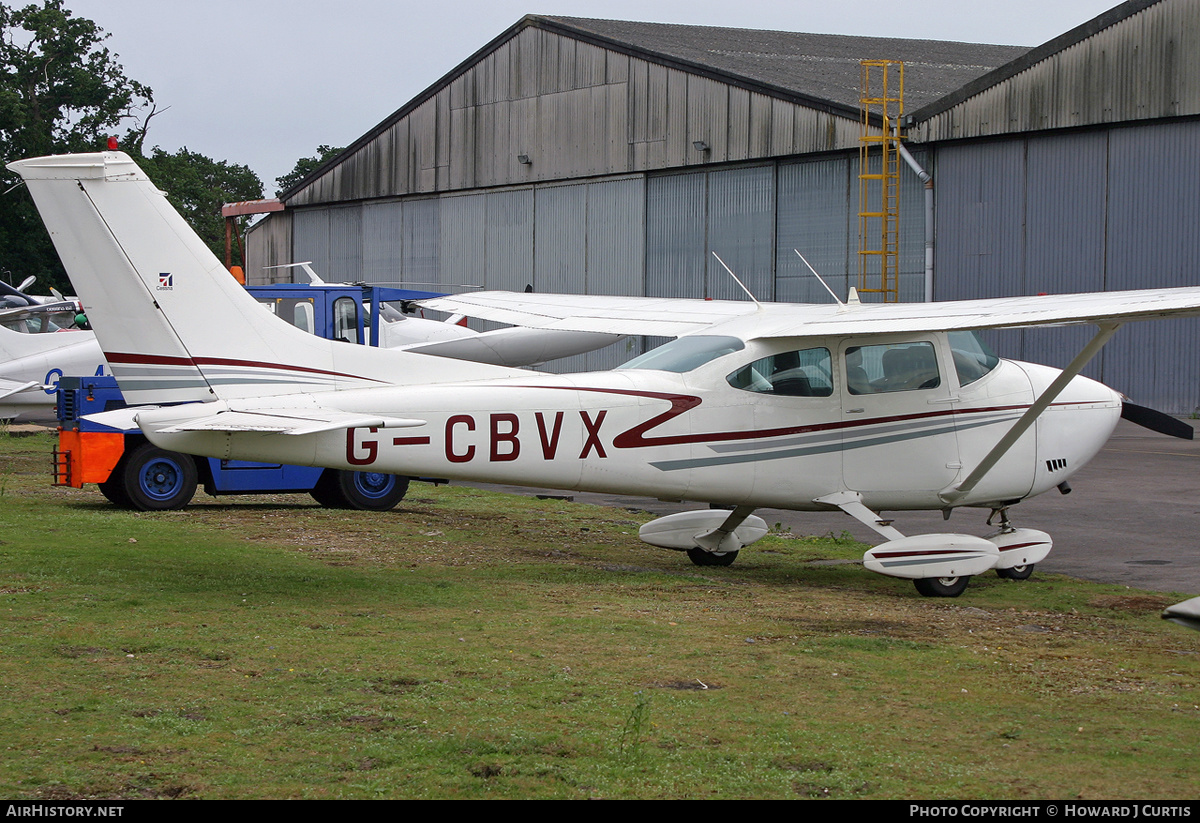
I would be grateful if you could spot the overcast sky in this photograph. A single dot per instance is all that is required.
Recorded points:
(264, 82)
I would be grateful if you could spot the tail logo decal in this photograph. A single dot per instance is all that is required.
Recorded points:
(166, 281)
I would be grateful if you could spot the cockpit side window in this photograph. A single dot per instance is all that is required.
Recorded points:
(973, 358)
(891, 368)
(803, 373)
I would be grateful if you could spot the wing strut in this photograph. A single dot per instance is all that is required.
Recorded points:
(1106, 331)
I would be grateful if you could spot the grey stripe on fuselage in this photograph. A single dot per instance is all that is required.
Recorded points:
(842, 434)
(772, 451)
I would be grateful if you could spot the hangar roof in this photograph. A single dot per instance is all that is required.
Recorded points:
(818, 67)
(1030, 58)
(820, 72)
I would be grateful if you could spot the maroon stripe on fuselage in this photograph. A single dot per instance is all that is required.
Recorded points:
(636, 437)
(164, 360)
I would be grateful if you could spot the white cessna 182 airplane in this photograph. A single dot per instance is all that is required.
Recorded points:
(857, 407)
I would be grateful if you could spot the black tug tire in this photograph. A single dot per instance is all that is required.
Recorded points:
(153, 479)
(114, 488)
(942, 586)
(367, 491)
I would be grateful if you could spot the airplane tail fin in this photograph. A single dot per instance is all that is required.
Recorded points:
(173, 323)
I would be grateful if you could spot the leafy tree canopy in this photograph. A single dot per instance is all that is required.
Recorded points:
(62, 91)
(198, 186)
(306, 166)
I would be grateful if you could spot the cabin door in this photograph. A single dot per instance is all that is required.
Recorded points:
(898, 434)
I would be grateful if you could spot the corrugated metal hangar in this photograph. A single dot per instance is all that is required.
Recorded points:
(611, 157)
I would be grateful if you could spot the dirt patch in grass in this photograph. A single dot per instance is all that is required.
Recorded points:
(1133, 604)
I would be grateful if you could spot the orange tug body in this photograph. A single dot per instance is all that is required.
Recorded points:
(86, 457)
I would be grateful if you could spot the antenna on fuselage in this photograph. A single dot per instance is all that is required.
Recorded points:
(819, 277)
(736, 280)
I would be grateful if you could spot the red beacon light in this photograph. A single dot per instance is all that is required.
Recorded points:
(112, 144)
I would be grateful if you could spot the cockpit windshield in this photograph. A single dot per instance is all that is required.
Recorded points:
(973, 358)
(41, 322)
(686, 353)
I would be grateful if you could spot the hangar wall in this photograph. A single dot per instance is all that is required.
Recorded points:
(633, 234)
(572, 109)
(1072, 168)
(1064, 212)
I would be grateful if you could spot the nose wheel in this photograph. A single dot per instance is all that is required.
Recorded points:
(1016, 572)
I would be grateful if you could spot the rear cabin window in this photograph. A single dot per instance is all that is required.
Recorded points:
(803, 373)
(891, 368)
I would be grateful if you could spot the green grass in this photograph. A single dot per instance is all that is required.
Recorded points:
(475, 645)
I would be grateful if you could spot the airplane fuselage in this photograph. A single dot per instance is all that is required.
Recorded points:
(43, 358)
(773, 423)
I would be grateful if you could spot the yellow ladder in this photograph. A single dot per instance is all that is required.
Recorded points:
(881, 100)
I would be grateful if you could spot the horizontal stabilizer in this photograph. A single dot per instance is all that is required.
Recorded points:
(286, 421)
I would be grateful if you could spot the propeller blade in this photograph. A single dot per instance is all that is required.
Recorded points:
(1156, 421)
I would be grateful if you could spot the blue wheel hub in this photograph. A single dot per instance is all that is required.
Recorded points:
(374, 484)
(161, 479)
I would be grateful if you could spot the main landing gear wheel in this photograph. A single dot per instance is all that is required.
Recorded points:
(702, 558)
(942, 586)
(1016, 572)
(154, 480)
(367, 491)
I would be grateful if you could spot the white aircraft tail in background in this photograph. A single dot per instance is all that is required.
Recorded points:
(855, 407)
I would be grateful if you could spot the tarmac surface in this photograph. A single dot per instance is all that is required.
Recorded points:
(1133, 517)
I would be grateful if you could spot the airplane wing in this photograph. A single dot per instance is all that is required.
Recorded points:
(1093, 308)
(665, 316)
(672, 317)
(23, 312)
(275, 421)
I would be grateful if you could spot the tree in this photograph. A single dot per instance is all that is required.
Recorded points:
(197, 186)
(306, 166)
(60, 91)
